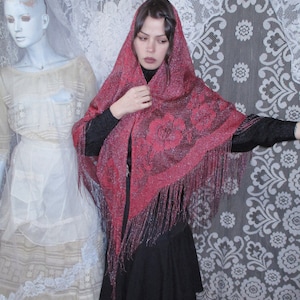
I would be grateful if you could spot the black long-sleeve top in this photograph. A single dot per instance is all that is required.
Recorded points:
(265, 132)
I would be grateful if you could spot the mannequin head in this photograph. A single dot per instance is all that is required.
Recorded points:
(26, 20)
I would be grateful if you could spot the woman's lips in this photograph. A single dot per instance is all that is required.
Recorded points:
(150, 60)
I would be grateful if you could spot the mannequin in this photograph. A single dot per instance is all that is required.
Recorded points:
(49, 226)
(30, 33)
(2, 167)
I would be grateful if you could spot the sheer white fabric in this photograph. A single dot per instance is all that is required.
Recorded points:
(288, 12)
(42, 208)
(42, 115)
(52, 243)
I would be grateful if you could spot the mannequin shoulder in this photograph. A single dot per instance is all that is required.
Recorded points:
(84, 66)
(51, 62)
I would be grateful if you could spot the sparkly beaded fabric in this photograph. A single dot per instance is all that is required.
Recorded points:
(179, 145)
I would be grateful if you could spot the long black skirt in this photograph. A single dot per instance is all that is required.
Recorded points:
(167, 270)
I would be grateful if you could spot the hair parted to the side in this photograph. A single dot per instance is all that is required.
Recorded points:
(157, 9)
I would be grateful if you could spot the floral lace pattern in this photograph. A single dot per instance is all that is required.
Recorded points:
(249, 51)
(91, 263)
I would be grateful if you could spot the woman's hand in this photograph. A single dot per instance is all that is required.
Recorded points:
(297, 131)
(137, 98)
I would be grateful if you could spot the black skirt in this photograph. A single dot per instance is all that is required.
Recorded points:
(167, 270)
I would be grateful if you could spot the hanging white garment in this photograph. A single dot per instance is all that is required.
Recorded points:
(51, 237)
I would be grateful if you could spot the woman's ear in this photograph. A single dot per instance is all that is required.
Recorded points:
(45, 19)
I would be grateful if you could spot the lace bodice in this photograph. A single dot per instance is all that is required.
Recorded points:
(47, 109)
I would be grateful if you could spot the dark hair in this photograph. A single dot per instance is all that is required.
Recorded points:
(157, 9)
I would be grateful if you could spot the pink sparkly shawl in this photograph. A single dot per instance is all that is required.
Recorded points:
(179, 145)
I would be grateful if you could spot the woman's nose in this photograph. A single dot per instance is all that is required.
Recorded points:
(150, 46)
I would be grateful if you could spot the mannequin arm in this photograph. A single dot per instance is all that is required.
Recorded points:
(2, 168)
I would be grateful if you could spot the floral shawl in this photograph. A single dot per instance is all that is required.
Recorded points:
(179, 145)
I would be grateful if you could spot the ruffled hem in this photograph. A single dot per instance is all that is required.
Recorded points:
(70, 271)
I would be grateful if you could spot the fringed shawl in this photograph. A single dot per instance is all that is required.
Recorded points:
(179, 144)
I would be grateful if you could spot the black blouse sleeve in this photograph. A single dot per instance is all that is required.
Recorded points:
(264, 132)
(97, 131)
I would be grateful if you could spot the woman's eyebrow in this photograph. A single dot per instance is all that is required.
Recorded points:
(149, 34)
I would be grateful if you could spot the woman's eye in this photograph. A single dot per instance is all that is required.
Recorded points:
(25, 18)
(142, 38)
(163, 41)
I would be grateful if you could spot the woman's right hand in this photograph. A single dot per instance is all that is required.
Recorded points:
(135, 99)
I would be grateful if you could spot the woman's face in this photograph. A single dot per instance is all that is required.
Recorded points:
(151, 43)
(25, 23)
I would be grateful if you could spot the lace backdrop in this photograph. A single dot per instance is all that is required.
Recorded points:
(248, 51)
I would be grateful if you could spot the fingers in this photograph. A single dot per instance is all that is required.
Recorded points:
(136, 99)
(141, 95)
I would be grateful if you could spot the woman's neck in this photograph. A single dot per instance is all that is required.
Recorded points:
(148, 74)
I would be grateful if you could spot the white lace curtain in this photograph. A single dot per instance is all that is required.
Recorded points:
(102, 24)
(248, 51)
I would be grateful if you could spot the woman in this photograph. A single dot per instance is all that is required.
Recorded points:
(157, 134)
(52, 246)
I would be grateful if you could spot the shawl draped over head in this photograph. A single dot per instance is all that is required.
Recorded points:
(179, 144)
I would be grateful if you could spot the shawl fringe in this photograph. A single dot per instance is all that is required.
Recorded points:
(163, 212)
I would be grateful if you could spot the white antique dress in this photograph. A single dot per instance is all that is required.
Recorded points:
(52, 245)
